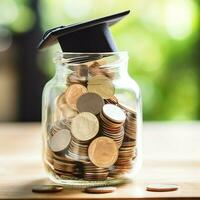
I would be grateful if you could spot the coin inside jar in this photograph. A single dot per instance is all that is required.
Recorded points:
(114, 113)
(67, 111)
(60, 140)
(90, 102)
(101, 85)
(103, 152)
(85, 126)
(127, 108)
(73, 93)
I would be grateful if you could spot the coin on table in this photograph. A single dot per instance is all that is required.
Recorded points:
(72, 94)
(47, 188)
(85, 126)
(90, 102)
(101, 85)
(60, 140)
(100, 190)
(162, 187)
(103, 152)
(114, 113)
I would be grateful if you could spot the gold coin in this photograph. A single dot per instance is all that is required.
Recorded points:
(85, 126)
(103, 152)
(66, 111)
(101, 85)
(73, 93)
(61, 99)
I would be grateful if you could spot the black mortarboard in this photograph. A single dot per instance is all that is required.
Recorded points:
(90, 36)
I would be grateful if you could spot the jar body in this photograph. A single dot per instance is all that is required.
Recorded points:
(91, 121)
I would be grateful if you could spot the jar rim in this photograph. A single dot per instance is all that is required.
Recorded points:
(93, 53)
(75, 57)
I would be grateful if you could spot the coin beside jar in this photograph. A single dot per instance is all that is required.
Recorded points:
(94, 136)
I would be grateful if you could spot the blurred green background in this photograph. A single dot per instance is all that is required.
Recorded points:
(161, 36)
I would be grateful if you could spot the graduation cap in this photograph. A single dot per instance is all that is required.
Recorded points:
(90, 36)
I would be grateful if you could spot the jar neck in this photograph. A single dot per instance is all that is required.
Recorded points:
(112, 65)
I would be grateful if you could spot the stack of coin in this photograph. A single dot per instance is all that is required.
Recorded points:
(131, 121)
(127, 142)
(112, 120)
(94, 173)
(48, 155)
(124, 163)
(63, 157)
(85, 126)
(112, 100)
(72, 170)
(62, 167)
(130, 126)
(78, 150)
(127, 152)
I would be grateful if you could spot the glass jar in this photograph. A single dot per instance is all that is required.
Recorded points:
(91, 119)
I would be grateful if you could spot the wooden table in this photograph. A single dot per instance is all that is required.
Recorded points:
(171, 155)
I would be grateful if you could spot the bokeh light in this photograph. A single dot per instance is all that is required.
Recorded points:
(179, 17)
(71, 10)
(24, 20)
(161, 37)
(8, 11)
